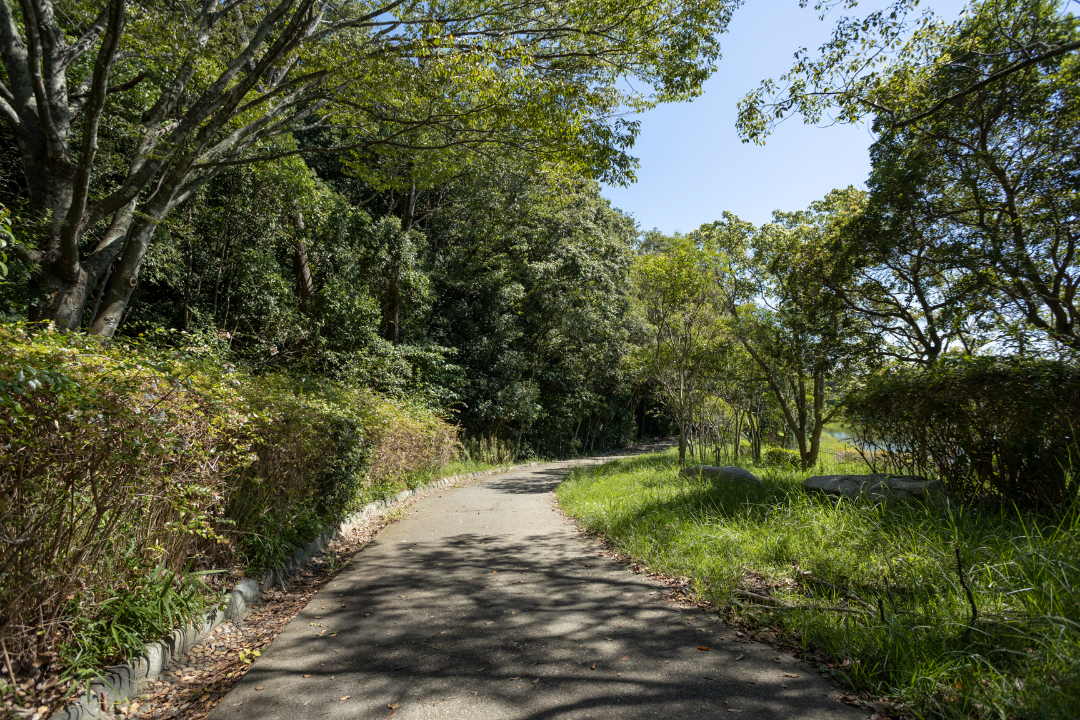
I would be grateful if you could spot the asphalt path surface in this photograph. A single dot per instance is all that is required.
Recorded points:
(484, 602)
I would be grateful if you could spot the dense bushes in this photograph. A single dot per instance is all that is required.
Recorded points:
(984, 425)
(123, 464)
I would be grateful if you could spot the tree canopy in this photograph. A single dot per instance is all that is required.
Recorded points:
(122, 113)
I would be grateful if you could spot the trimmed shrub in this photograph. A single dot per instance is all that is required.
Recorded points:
(125, 466)
(781, 457)
(983, 425)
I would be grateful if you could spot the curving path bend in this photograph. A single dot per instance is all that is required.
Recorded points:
(485, 603)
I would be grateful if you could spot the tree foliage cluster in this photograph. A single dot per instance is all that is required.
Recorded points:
(962, 246)
(323, 182)
(742, 337)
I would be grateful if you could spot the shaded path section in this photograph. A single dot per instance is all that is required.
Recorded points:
(485, 602)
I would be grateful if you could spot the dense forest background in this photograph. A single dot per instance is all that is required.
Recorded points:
(471, 263)
(499, 296)
(444, 238)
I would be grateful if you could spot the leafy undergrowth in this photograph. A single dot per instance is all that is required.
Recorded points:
(876, 588)
(196, 682)
(139, 477)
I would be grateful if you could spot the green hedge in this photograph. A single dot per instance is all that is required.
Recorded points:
(987, 426)
(125, 462)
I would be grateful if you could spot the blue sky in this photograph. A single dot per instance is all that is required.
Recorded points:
(693, 166)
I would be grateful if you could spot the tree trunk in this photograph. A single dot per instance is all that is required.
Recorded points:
(815, 435)
(393, 292)
(123, 280)
(737, 437)
(682, 441)
(60, 296)
(305, 282)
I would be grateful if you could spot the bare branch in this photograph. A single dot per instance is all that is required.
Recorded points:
(128, 85)
(88, 38)
(10, 115)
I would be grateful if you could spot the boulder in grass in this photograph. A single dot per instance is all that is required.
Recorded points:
(725, 473)
(877, 488)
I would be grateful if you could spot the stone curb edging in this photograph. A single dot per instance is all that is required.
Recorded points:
(119, 683)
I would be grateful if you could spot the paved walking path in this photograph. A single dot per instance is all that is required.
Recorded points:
(486, 603)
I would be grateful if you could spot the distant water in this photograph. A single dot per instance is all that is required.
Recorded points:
(838, 432)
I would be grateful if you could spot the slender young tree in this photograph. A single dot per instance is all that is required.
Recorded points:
(680, 294)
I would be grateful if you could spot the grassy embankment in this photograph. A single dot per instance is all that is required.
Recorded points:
(909, 635)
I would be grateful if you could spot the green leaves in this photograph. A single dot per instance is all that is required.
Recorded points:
(683, 296)
(985, 425)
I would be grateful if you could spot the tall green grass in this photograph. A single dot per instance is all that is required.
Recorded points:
(914, 640)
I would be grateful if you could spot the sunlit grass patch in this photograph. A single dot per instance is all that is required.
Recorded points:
(884, 580)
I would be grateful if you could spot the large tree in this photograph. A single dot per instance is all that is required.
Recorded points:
(805, 340)
(683, 290)
(123, 112)
(899, 269)
(978, 128)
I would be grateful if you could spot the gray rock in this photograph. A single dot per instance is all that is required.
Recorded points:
(725, 473)
(877, 488)
(236, 606)
(249, 588)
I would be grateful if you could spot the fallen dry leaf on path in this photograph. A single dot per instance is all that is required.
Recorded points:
(848, 700)
(791, 675)
(739, 658)
(624, 658)
(346, 698)
(259, 687)
(703, 647)
(593, 666)
(393, 706)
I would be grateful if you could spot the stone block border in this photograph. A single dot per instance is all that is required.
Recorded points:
(120, 683)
